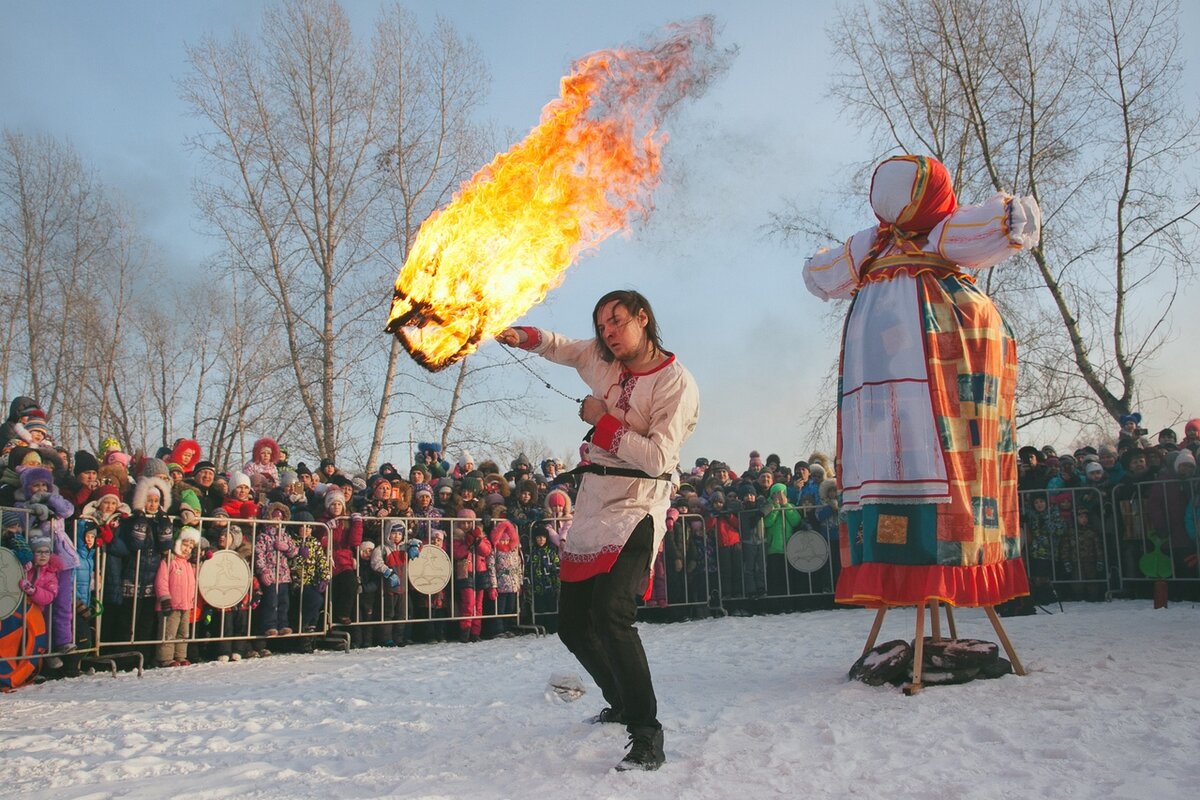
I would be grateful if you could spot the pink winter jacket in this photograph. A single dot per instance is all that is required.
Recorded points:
(176, 583)
(41, 585)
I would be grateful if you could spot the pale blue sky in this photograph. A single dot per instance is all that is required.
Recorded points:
(102, 76)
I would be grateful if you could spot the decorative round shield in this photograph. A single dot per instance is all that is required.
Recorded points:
(224, 579)
(430, 572)
(807, 551)
(11, 573)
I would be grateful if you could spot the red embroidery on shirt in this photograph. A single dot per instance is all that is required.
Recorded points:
(628, 381)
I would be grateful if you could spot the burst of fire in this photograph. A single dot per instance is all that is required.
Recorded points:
(586, 170)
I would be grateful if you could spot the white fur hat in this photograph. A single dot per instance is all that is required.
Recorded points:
(186, 534)
(238, 479)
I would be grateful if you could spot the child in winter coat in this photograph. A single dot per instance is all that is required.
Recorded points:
(175, 587)
(558, 514)
(273, 549)
(780, 520)
(310, 575)
(144, 538)
(261, 469)
(105, 512)
(49, 511)
(390, 561)
(41, 581)
(344, 537)
(722, 521)
(543, 578)
(86, 547)
(471, 550)
(510, 573)
(1043, 529)
(369, 589)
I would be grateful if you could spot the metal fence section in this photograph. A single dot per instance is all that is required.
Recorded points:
(429, 579)
(1155, 526)
(1068, 543)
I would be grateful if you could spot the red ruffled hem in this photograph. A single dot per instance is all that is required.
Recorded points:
(874, 585)
(573, 571)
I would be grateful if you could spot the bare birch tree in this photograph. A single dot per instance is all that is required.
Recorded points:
(429, 144)
(1078, 104)
(75, 256)
(327, 155)
(292, 144)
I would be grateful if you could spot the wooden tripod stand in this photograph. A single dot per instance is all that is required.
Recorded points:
(936, 634)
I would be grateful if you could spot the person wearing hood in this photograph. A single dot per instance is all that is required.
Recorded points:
(390, 561)
(142, 540)
(780, 520)
(18, 414)
(175, 587)
(273, 549)
(261, 469)
(49, 512)
(41, 582)
(311, 573)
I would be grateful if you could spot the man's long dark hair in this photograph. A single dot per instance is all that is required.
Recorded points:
(633, 302)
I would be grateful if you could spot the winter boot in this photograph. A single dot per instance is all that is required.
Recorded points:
(606, 715)
(645, 750)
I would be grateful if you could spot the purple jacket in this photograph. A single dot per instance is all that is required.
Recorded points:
(272, 551)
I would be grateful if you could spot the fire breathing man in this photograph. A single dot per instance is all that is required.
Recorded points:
(643, 405)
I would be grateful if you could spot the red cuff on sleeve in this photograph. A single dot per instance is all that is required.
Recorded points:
(533, 337)
(607, 433)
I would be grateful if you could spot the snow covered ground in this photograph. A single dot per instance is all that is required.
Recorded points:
(752, 707)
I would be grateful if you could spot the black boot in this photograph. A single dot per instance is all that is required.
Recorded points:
(607, 715)
(645, 750)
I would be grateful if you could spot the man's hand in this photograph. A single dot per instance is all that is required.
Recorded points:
(592, 409)
(511, 337)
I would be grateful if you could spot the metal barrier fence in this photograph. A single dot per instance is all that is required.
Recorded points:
(1156, 524)
(1067, 543)
(710, 561)
(1098, 541)
(434, 578)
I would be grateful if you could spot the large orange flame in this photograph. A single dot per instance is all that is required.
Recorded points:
(581, 175)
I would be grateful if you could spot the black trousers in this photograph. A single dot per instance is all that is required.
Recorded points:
(595, 622)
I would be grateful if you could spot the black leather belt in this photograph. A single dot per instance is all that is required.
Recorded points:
(619, 472)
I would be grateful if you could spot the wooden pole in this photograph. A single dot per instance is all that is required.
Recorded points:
(1008, 648)
(875, 629)
(918, 654)
(935, 622)
(950, 622)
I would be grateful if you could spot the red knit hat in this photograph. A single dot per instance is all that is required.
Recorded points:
(106, 490)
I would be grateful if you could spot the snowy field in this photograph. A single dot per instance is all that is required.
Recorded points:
(752, 707)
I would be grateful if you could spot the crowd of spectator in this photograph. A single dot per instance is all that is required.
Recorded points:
(331, 550)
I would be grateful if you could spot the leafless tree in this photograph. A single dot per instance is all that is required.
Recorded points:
(1079, 104)
(429, 144)
(293, 129)
(74, 255)
(327, 154)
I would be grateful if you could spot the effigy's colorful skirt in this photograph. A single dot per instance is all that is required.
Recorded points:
(927, 448)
